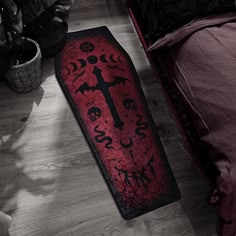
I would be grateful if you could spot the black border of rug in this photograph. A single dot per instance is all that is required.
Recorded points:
(174, 193)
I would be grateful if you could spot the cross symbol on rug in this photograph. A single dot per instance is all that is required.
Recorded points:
(104, 86)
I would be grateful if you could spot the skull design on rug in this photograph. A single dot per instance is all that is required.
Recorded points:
(94, 113)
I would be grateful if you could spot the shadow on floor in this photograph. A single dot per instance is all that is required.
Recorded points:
(15, 110)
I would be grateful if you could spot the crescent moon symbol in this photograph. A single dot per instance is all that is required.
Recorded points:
(128, 145)
(103, 58)
(75, 67)
(68, 70)
(112, 58)
(83, 63)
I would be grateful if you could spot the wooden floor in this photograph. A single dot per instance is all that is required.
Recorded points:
(49, 181)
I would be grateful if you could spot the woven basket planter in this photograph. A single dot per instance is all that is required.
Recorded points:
(25, 77)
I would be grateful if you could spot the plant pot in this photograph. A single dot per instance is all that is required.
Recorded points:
(26, 75)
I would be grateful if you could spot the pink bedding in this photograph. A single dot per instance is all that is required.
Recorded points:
(203, 66)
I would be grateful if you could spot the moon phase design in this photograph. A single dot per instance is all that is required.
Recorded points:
(83, 63)
(127, 145)
(120, 59)
(68, 70)
(112, 58)
(103, 58)
(92, 59)
(75, 67)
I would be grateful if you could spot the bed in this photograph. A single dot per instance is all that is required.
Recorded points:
(194, 56)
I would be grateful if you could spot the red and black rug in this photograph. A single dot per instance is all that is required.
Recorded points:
(103, 90)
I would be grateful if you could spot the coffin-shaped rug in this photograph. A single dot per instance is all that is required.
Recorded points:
(103, 89)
